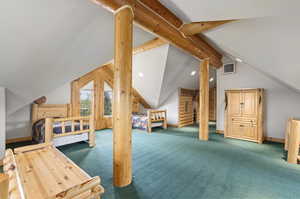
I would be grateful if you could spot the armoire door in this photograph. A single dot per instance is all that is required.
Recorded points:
(249, 131)
(234, 104)
(249, 104)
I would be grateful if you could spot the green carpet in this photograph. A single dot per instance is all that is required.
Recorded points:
(173, 164)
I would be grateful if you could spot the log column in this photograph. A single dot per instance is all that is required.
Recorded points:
(122, 97)
(204, 100)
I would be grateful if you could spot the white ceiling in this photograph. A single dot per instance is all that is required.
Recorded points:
(165, 69)
(209, 10)
(151, 64)
(45, 44)
(269, 44)
(266, 36)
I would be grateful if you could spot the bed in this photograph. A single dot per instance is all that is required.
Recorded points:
(52, 123)
(43, 172)
(153, 118)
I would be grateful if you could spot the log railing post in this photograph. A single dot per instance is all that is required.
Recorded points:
(48, 130)
(122, 97)
(293, 142)
(204, 100)
(4, 182)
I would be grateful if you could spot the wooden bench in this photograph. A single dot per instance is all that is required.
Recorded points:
(43, 172)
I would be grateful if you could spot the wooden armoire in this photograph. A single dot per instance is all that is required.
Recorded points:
(244, 114)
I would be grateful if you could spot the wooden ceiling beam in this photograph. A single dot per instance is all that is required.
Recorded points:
(164, 12)
(154, 43)
(161, 25)
(198, 27)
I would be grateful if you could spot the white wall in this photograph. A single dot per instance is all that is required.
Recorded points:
(171, 105)
(281, 102)
(2, 122)
(18, 124)
(61, 95)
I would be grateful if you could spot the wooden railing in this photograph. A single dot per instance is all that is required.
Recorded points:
(292, 140)
(87, 121)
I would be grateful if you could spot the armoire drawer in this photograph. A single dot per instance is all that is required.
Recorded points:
(244, 120)
(244, 124)
(246, 131)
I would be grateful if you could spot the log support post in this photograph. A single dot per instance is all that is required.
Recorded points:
(204, 100)
(122, 97)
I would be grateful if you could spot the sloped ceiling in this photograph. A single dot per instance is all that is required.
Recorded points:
(177, 73)
(148, 73)
(266, 36)
(269, 44)
(207, 10)
(45, 44)
(165, 69)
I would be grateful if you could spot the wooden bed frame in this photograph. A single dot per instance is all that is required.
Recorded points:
(41, 171)
(63, 112)
(157, 116)
(292, 140)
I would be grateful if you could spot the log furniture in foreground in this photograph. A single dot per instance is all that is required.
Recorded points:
(292, 140)
(244, 114)
(43, 172)
(157, 118)
(62, 129)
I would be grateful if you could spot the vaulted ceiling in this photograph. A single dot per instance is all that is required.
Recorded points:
(266, 36)
(164, 70)
(45, 44)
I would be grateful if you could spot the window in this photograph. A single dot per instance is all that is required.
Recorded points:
(86, 99)
(107, 100)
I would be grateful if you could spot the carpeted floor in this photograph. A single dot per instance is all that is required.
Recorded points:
(173, 164)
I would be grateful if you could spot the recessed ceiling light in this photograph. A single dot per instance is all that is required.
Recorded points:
(141, 74)
(193, 73)
(238, 60)
(211, 79)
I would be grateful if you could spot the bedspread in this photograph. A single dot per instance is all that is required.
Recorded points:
(139, 121)
(38, 129)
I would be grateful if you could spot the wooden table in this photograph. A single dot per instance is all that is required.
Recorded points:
(43, 172)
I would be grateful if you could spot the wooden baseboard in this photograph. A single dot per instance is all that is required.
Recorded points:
(277, 140)
(269, 139)
(173, 125)
(15, 140)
